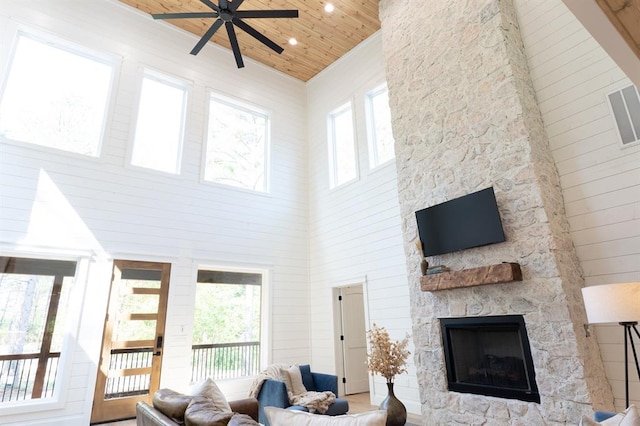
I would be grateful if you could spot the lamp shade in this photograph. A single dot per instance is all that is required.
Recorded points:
(612, 303)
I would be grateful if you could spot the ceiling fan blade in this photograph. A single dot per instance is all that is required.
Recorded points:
(236, 4)
(267, 14)
(207, 36)
(211, 5)
(234, 44)
(184, 15)
(254, 33)
(223, 4)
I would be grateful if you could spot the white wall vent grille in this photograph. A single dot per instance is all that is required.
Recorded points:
(625, 106)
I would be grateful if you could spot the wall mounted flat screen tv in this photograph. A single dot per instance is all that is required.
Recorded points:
(470, 221)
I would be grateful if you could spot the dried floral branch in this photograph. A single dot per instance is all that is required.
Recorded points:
(387, 358)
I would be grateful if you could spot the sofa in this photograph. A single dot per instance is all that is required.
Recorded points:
(170, 408)
(281, 417)
(273, 393)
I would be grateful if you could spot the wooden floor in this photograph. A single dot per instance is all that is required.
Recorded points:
(358, 403)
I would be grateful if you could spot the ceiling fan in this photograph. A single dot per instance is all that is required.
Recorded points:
(226, 12)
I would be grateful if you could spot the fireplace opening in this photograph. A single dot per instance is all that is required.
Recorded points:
(489, 356)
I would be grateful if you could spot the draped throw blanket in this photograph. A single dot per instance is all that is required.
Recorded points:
(315, 402)
(274, 372)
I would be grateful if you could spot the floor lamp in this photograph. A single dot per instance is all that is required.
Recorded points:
(616, 303)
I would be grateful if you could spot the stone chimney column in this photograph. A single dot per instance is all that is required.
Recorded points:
(465, 118)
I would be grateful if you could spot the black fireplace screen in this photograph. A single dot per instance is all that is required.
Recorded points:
(489, 356)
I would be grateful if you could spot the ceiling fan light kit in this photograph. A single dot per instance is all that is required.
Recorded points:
(227, 13)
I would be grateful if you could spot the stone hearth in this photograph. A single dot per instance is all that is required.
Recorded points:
(465, 118)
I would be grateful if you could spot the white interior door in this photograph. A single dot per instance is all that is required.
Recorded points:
(354, 340)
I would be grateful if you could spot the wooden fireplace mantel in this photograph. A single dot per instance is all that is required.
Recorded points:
(493, 274)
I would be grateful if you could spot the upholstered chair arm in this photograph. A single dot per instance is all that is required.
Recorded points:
(273, 393)
(326, 382)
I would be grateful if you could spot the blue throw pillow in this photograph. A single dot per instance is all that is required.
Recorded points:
(307, 378)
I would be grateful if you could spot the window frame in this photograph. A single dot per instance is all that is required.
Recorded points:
(614, 120)
(372, 140)
(63, 378)
(249, 107)
(265, 309)
(332, 147)
(58, 42)
(172, 81)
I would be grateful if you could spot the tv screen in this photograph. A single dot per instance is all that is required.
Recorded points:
(469, 221)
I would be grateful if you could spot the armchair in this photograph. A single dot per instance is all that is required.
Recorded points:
(273, 393)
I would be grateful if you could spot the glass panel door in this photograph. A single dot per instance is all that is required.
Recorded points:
(133, 339)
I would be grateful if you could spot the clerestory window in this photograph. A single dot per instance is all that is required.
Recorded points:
(237, 145)
(160, 123)
(625, 107)
(55, 95)
(379, 132)
(342, 149)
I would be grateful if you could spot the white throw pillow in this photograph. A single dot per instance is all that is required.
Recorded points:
(628, 417)
(295, 380)
(282, 417)
(209, 389)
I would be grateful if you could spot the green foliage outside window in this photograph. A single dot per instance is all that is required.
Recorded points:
(226, 313)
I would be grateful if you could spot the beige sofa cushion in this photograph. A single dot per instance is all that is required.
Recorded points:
(282, 417)
(295, 385)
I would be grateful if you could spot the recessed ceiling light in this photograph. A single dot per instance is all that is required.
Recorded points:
(328, 7)
(293, 41)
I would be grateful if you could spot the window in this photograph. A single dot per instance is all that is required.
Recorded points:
(625, 106)
(237, 146)
(34, 305)
(55, 96)
(226, 331)
(160, 124)
(379, 127)
(342, 153)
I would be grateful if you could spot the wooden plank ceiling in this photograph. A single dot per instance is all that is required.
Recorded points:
(322, 37)
(625, 16)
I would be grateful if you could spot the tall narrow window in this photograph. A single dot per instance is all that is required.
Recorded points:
(379, 127)
(55, 96)
(226, 331)
(625, 106)
(237, 146)
(160, 124)
(34, 303)
(342, 152)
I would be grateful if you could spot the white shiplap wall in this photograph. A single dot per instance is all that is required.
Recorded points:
(51, 202)
(600, 179)
(100, 209)
(355, 234)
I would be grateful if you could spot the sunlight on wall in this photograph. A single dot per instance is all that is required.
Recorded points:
(54, 222)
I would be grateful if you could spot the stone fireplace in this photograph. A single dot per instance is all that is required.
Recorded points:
(465, 118)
